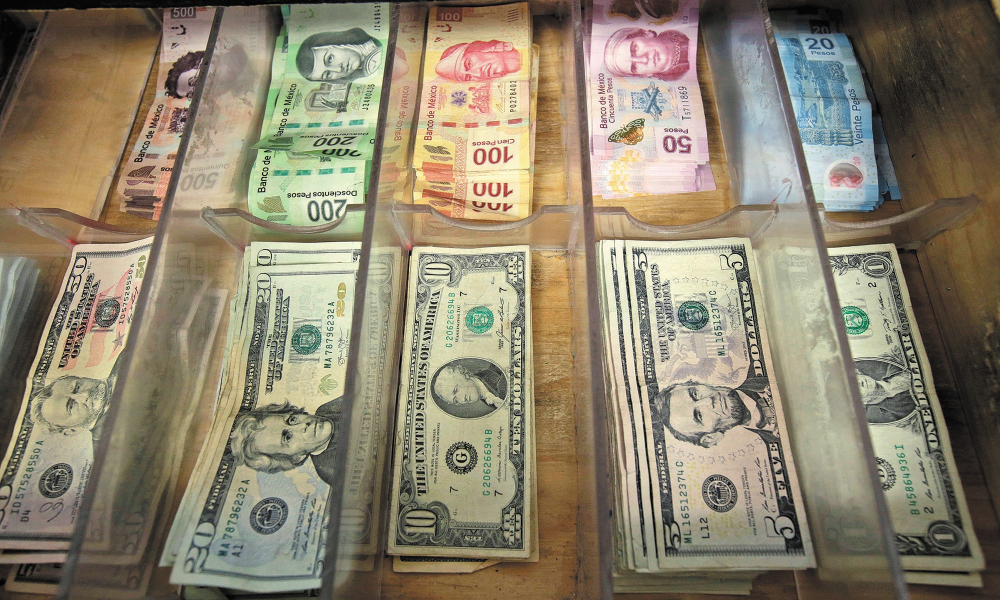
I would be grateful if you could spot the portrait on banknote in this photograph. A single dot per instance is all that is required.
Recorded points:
(885, 389)
(634, 9)
(400, 67)
(634, 51)
(183, 75)
(478, 61)
(72, 404)
(339, 55)
(469, 388)
(702, 414)
(280, 437)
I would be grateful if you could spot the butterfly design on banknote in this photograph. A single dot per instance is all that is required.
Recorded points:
(631, 134)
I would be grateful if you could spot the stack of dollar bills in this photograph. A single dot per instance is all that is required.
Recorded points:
(463, 494)
(17, 285)
(927, 507)
(647, 119)
(474, 147)
(706, 493)
(321, 118)
(143, 182)
(48, 463)
(832, 109)
(254, 515)
(813, 20)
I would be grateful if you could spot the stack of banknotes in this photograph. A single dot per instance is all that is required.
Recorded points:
(474, 147)
(927, 507)
(254, 515)
(833, 111)
(48, 462)
(647, 118)
(143, 182)
(321, 119)
(464, 484)
(706, 493)
(17, 285)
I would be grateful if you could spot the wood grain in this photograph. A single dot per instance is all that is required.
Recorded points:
(112, 213)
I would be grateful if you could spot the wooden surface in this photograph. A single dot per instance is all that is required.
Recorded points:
(934, 66)
(66, 129)
(112, 213)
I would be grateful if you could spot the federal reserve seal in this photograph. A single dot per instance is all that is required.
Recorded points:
(55, 480)
(107, 312)
(306, 339)
(268, 515)
(855, 319)
(479, 319)
(461, 458)
(692, 315)
(886, 474)
(719, 493)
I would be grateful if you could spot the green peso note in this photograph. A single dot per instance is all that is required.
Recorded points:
(464, 463)
(47, 465)
(305, 189)
(329, 95)
(301, 189)
(912, 448)
(262, 522)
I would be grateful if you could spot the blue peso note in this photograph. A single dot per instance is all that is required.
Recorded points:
(834, 117)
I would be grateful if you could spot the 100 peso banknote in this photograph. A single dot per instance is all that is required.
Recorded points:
(912, 447)
(475, 103)
(464, 464)
(47, 465)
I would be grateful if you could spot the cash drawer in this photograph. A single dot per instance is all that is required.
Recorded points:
(164, 404)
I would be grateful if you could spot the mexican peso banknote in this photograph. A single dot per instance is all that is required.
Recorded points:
(331, 85)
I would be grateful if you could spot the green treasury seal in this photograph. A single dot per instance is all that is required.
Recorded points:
(479, 319)
(306, 339)
(692, 315)
(855, 319)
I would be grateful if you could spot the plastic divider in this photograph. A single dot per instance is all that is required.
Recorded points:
(908, 231)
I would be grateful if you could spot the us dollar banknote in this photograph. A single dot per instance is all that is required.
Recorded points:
(464, 462)
(705, 473)
(50, 456)
(912, 447)
(261, 518)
